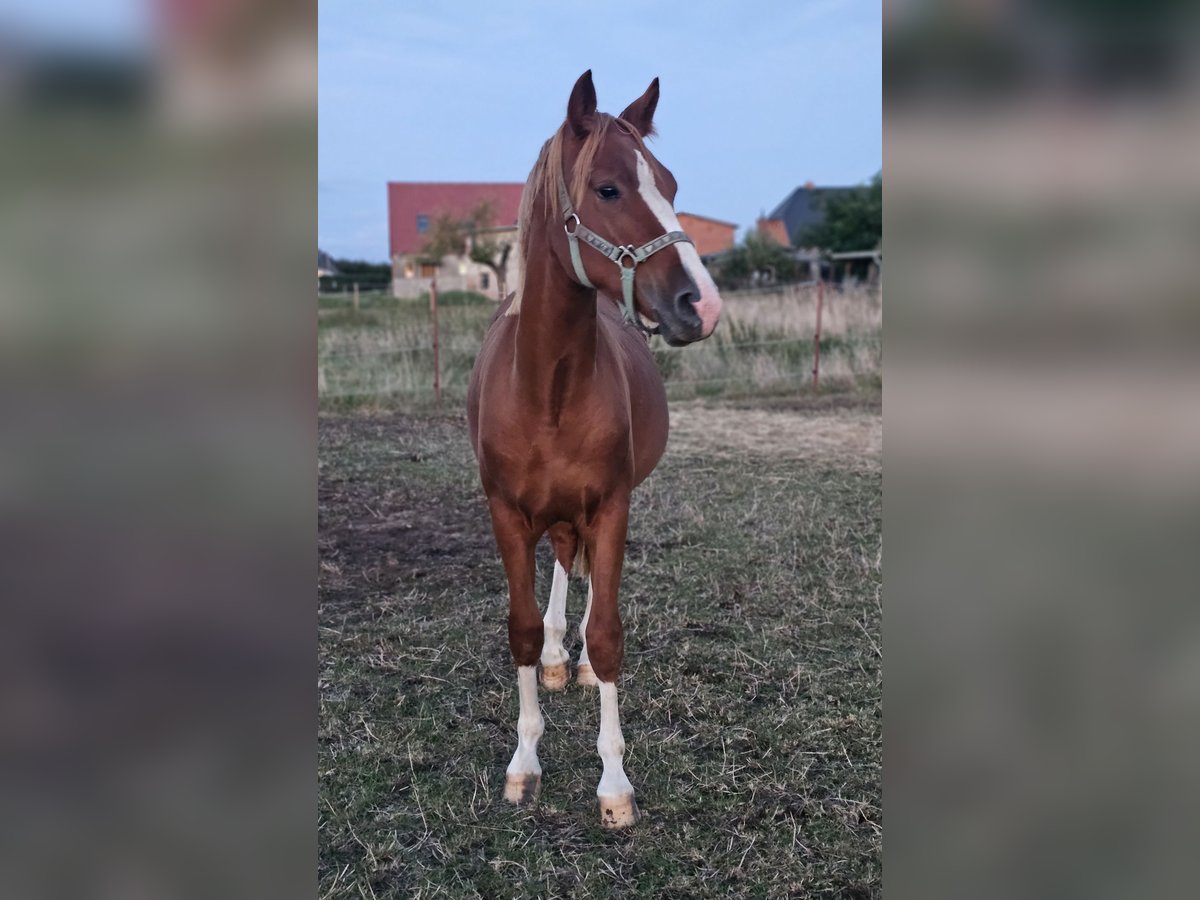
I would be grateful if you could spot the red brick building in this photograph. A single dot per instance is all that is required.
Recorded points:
(709, 235)
(412, 208)
(413, 205)
(775, 229)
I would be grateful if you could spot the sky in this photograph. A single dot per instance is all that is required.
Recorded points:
(104, 24)
(756, 98)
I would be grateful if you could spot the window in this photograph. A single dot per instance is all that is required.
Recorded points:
(422, 223)
(483, 280)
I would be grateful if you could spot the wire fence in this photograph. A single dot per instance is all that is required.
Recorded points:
(781, 379)
(776, 379)
(414, 350)
(768, 345)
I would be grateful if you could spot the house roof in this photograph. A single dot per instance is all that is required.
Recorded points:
(409, 199)
(708, 219)
(325, 262)
(802, 208)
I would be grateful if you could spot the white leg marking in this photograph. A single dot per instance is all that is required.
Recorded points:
(555, 623)
(708, 307)
(611, 745)
(529, 725)
(587, 612)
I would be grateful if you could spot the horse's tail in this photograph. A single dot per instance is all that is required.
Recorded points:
(582, 566)
(569, 550)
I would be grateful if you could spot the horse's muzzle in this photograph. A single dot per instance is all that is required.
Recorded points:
(679, 319)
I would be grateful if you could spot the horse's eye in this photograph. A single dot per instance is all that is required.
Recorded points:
(608, 192)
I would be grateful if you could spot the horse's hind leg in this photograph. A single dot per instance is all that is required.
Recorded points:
(556, 669)
(584, 675)
(524, 776)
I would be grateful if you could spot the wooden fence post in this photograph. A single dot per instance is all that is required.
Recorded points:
(817, 337)
(356, 296)
(437, 378)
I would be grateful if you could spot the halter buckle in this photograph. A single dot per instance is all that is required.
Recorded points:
(574, 216)
(626, 251)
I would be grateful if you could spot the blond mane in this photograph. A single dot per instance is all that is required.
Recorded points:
(543, 182)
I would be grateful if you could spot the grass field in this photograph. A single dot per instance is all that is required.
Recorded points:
(750, 701)
(380, 356)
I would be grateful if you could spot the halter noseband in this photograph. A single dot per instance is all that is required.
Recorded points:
(618, 254)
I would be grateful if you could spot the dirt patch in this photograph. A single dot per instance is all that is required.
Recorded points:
(751, 635)
(396, 504)
(848, 438)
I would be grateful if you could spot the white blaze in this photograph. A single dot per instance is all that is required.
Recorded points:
(709, 305)
(529, 725)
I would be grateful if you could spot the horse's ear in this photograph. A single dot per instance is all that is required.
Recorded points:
(640, 113)
(581, 108)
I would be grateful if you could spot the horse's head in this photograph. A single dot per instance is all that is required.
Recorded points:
(624, 196)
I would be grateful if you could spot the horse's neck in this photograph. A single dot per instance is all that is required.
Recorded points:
(556, 333)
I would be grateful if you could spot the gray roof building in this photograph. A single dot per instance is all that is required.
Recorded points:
(804, 207)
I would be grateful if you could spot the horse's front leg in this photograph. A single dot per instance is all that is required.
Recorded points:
(605, 649)
(516, 544)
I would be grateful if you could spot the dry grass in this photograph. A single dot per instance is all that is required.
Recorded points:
(793, 310)
(382, 357)
(848, 438)
(751, 698)
(765, 344)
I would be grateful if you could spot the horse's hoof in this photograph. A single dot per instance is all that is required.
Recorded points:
(555, 678)
(586, 676)
(618, 812)
(522, 789)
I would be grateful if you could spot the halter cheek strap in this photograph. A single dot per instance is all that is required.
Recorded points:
(627, 257)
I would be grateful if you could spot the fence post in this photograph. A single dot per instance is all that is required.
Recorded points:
(817, 337)
(437, 379)
(356, 296)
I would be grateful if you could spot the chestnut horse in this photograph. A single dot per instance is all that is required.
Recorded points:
(566, 406)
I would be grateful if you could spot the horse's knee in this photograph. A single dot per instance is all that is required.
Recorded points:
(525, 641)
(605, 648)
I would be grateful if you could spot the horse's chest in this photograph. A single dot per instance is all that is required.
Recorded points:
(555, 475)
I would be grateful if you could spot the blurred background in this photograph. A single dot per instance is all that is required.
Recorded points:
(1043, 448)
(156, 459)
(157, 454)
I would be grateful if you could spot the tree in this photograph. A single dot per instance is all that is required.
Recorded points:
(486, 250)
(446, 238)
(362, 271)
(758, 259)
(451, 236)
(853, 220)
(368, 275)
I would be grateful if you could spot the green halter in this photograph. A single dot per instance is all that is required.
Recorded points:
(618, 254)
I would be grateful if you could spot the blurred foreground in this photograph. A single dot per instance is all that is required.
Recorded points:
(1043, 464)
(156, 494)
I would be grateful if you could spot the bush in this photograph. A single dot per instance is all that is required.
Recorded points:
(757, 260)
